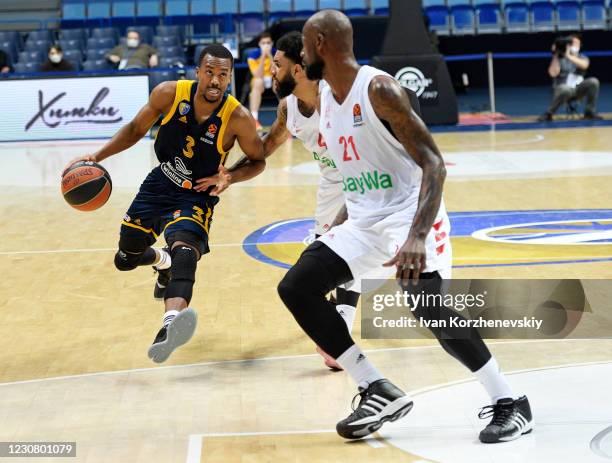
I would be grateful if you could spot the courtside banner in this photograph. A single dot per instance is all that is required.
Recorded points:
(494, 309)
(69, 108)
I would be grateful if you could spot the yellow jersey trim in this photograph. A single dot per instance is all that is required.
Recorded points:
(225, 114)
(203, 225)
(138, 227)
(183, 92)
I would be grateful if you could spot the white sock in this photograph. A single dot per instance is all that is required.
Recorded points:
(255, 115)
(354, 361)
(347, 312)
(494, 381)
(165, 261)
(169, 316)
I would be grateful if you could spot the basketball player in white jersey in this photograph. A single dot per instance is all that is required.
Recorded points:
(393, 176)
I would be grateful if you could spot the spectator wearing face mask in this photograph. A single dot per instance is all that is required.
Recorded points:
(133, 54)
(55, 61)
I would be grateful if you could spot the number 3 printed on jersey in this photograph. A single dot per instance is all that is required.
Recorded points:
(349, 142)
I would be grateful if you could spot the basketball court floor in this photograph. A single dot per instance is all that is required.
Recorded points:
(249, 386)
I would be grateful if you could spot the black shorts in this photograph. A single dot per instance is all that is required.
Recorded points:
(162, 207)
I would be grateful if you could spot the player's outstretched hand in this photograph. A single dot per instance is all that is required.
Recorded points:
(222, 180)
(89, 157)
(409, 261)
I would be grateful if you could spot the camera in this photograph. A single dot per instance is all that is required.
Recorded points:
(561, 44)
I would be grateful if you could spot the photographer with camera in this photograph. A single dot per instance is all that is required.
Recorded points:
(567, 69)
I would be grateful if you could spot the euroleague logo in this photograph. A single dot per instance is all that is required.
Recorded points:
(413, 79)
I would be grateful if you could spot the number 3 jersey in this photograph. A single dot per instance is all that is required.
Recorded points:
(188, 150)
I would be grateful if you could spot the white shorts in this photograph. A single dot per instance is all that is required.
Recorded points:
(330, 200)
(366, 249)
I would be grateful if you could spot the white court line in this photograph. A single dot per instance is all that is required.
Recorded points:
(536, 139)
(268, 359)
(67, 251)
(374, 443)
(194, 449)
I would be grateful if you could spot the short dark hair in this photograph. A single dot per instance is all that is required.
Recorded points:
(291, 45)
(218, 51)
(264, 35)
(54, 46)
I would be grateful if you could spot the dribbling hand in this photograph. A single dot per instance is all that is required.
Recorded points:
(409, 261)
(89, 157)
(222, 181)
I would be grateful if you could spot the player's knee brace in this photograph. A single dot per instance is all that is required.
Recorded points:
(129, 253)
(184, 264)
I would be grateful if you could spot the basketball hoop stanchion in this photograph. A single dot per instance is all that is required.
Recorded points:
(491, 79)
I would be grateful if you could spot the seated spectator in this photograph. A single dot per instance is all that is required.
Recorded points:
(55, 61)
(133, 54)
(5, 66)
(260, 62)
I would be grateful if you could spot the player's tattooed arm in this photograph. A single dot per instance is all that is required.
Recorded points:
(392, 105)
(277, 135)
(160, 102)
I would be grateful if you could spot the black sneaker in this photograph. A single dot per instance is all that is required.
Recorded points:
(380, 402)
(178, 332)
(163, 278)
(589, 116)
(546, 117)
(511, 419)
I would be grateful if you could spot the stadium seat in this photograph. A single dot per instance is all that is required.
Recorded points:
(171, 30)
(166, 41)
(190, 73)
(71, 44)
(145, 32)
(177, 11)
(171, 61)
(12, 36)
(380, 7)
(73, 56)
(36, 56)
(95, 54)
(355, 7)
(304, 8)
(488, 19)
(543, 16)
(330, 5)
(278, 9)
(10, 49)
(203, 17)
(171, 51)
(429, 3)
(123, 13)
(101, 32)
(439, 19)
(100, 42)
(26, 67)
(593, 14)
(452, 3)
(568, 15)
(43, 34)
(96, 65)
(78, 65)
(251, 18)
(517, 17)
(74, 12)
(226, 7)
(98, 11)
(33, 45)
(158, 76)
(226, 13)
(74, 34)
(148, 11)
(462, 20)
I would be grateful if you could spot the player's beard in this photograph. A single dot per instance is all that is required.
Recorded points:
(314, 70)
(285, 87)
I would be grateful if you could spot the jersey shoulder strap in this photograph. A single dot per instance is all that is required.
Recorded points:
(224, 114)
(183, 93)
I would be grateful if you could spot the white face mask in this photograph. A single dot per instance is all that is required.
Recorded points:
(132, 43)
(55, 57)
(574, 50)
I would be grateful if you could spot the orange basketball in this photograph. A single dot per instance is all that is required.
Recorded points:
(86, 186)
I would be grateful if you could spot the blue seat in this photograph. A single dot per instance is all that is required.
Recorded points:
(177, 11)
(12, 36)
(71, 44)
(330, 5)
(517, 17)
(148, 11)
(568, 15)
(251, 19)
(43, 34)
(488, 18)
(304, 8)
(171, 61)
(98, 12)
(170, 31)
(439, 19)
(171, 51)
(145, 32)
(593, 14)
(543, 16)
(452, 3)
(156, 77)
(103, 32)
(123, 13)
(73, 55)
(96, 54)
(74, 34)
(100, 42)
(74, 12)
(203, 17)
(10, 48)
(190, 73)
(429, 3)
(278, 9)
(36, 56)
(26, 67)
(462, 20)
(96, 65)
(33, 45)
(380, 7)
(78, 65)
(355, 7)
(166, 41)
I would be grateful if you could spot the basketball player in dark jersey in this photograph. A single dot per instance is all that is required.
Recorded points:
(200, 125)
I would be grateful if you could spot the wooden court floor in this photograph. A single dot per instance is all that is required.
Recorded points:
(248, 387)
